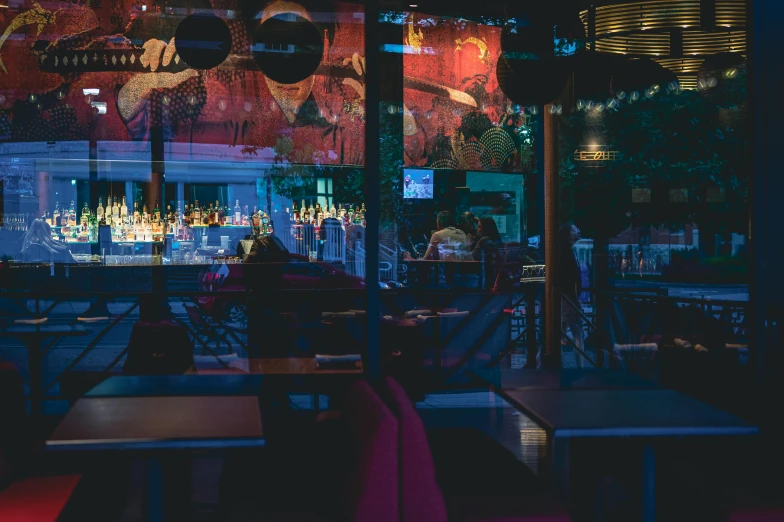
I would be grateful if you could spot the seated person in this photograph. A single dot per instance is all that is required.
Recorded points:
(158, 345)
(38, 246)
(448, 243)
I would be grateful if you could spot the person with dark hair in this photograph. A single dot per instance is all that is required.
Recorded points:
(263, 274)
(38, 246)
(468, 225)
(448, 240)
(158, 345)
(486, 249)
(569, 278)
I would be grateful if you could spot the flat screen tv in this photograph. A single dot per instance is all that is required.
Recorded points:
(417, 184)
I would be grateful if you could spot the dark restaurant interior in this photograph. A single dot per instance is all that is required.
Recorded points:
(386, 261)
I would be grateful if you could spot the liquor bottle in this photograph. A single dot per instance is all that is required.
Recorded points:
(205, 215)
(72, 215)
(156, 213)
(85, 216)
(319, 214)
(305, 215)
(137, 217)
(350, 215)
(256, 220)
(92, 231)
(237, 214)
(178, 213)
(333, 211)
(216, 218)
(56, 215)
(196, 213)
(115, 210)
(124, 211)
(312, 212)
(294, 212)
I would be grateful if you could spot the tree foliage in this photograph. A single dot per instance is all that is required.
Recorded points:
(695, 140)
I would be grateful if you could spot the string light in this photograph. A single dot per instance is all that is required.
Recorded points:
(731, 73)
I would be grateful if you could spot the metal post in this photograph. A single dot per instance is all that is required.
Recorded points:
(552, 316)
(372, 188)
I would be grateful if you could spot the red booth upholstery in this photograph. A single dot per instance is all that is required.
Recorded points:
(39, 499)
(424, 500)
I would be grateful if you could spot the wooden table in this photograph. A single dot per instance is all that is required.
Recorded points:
(562, 379)
(647, 414)
(304, 375)
(179, 385)
(297, 366)
(31, 337)
(157, 425)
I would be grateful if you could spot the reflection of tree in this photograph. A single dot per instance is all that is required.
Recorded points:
(692, 140)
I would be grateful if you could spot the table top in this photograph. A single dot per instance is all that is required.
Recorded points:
(297, 366)
(624, 413)
(563, 379)
(178, 385)
(43, 330)
(159, 423)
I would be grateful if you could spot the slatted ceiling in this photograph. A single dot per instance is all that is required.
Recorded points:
(653, 44)
(730, 13)
(711, 43)
(685, 69)
(681, 65)
(650, 15)
(642, 28)
(662, 15)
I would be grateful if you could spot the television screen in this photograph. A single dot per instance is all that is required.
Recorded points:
(417, 184)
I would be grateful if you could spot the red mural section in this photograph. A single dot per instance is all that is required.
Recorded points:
(455, 115)
(109, 70)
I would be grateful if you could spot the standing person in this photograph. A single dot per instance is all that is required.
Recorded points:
(263, 276)
(486, 249)
(447, 234)
(569, 279)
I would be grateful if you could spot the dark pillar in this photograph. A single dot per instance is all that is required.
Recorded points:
(676, 43)
(707, 15)
(552, 305)
(592, 27)
(766, 65)
(372, 187)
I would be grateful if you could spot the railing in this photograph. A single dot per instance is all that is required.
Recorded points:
(573, 317)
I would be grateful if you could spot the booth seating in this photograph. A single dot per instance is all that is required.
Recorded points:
(447, 484)
(24, 499)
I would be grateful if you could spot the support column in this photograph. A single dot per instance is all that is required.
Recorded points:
(552, 315)
(372, 187)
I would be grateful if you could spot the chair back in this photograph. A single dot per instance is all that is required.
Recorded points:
(421, 498)
(373, 488)
(12, 417)
(158, 348)
(334, 241)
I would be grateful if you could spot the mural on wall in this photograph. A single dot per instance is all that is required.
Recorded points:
(113, 70)
(455, 115)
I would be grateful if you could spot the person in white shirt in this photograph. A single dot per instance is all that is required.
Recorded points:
(452, 240)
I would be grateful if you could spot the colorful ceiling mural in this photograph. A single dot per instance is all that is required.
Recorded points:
(110, 70)
(455, 115)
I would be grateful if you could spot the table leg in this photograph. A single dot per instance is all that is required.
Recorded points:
(648, 484)
(154, 491)
(530, 328)
(36, 379)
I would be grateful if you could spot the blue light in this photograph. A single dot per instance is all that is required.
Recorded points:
(73, 182)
